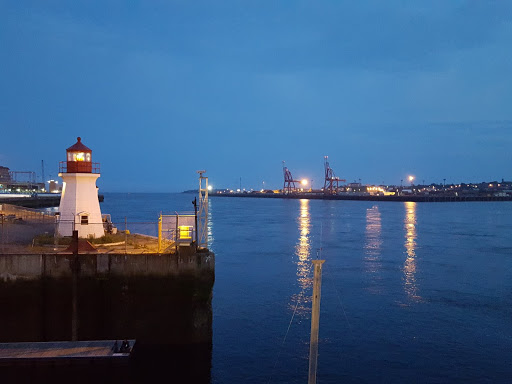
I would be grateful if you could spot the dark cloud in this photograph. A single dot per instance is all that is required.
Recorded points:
(369, 84)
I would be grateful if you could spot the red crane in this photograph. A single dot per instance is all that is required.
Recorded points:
(331, 183)
(289, 183)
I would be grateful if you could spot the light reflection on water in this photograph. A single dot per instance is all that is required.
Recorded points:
(303, 253)
(409, 268)
(373, 244)
(373, 240)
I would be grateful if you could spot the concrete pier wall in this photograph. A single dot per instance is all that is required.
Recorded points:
(163, 301)
(36, 266)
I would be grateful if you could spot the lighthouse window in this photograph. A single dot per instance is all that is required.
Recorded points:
(80, 156)
(88, 157)
(84, 220)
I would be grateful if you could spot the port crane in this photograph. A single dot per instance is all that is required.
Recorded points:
(331, 183)
(289, 183)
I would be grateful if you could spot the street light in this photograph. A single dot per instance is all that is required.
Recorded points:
(411, 178)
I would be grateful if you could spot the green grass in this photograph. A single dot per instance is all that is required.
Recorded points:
(107, 239)
(49, 239)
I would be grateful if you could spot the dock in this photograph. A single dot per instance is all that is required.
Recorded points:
(64, 352)
(96, 361)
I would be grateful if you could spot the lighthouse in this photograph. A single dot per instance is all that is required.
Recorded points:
(79, 205)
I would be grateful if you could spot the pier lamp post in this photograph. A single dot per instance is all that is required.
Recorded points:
(411, 179)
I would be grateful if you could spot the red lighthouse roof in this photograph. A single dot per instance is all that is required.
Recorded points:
(78, 160)
(78, 146)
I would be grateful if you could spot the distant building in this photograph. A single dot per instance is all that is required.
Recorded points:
(10, 181)
(5, 176)
(54, 187)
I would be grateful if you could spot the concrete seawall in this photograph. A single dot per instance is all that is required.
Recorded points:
(164, 301)
(35, 266)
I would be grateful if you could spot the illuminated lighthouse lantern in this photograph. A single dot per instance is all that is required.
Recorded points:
(79, 205)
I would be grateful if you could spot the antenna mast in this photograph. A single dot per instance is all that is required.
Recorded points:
(42, 175)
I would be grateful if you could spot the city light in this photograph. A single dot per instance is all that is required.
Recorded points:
(304, 182)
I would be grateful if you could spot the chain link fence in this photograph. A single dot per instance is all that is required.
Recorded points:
(24, 229)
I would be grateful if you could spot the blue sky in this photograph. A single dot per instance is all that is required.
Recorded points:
(161, 89)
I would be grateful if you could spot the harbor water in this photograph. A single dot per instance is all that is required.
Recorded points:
(411, 292)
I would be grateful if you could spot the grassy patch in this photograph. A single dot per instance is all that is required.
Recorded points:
(48, 239)
(107, 239)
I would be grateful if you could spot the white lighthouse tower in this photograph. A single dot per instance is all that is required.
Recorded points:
(79, 205)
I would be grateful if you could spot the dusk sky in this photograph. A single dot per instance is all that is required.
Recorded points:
(161, 89)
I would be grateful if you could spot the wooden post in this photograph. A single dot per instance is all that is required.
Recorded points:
(315, 320)
(125, 235)
(3, 240)
(75, 266)
(160, 233)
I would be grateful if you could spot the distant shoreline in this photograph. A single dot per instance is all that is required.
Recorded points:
(401, 198)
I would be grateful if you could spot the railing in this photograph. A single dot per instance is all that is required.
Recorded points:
(176, 229)
(78, 167)
(11, 212)
(164, 236)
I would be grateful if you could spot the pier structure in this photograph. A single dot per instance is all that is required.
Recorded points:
(79, 207)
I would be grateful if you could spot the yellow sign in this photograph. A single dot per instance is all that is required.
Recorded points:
(185, 232)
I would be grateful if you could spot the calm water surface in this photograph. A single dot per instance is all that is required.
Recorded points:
(411, 292)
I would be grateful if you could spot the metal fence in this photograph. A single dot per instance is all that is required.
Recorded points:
(179, 228)
(31, 228)
(12, 213)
